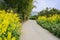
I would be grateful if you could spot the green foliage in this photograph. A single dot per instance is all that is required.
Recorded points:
(2, 5)
(48, 11)
(33, 17)
(51, 23)
(23, 7)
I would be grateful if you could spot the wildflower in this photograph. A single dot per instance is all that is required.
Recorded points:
(13, 38)
(9, 36)
(0, 38)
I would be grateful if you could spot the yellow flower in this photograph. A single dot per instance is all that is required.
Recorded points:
(5, 38)
(0, 25)
(0, 31)
(0, 38)
(53, 18)
(42, 18)
(8, 22)
(13, 38)
(4, 30)
(9, 36)
(11, 10)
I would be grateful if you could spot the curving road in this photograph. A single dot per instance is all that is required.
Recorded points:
(32, 31)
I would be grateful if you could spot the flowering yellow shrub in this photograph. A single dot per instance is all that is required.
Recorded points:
(51, 23)
(42, 17)
(9, 26)
(51, 18)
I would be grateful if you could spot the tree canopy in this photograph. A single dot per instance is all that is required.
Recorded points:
(49, 11)
(23, 7)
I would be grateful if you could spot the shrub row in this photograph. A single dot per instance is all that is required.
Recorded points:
(51, 23)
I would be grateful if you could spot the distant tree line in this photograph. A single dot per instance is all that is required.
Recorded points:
(48, 11)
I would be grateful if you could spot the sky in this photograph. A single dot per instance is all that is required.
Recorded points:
(42, 4)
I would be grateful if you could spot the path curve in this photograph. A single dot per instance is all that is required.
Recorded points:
(32, 31)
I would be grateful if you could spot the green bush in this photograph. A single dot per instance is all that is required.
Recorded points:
(51, 23)
(48, 11)
(33, 17)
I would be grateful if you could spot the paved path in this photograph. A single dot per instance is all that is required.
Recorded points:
(32, 31)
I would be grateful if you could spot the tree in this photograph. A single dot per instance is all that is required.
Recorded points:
(23, 7)
(49, 11)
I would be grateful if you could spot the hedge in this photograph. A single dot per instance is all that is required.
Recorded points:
(51, 23)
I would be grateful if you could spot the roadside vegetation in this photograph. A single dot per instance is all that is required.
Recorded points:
(50, 20)
(10, 26)
(12, 14)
